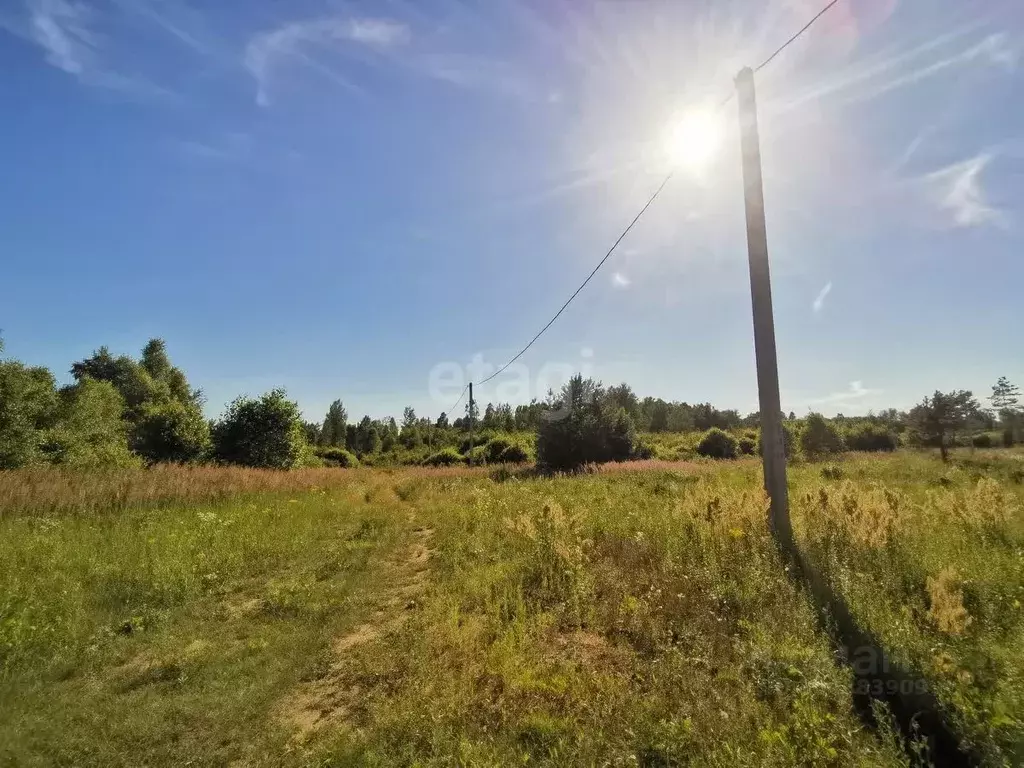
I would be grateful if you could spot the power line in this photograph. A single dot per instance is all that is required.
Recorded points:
(653, 197)
(793, 39)
(452, 409)
(589, 277)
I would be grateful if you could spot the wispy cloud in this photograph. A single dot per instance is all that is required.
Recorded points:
(484, 74)
(383, 32)
(230, 147)
(998, 49)
(61, 30)
(66, 33)
(855, 393)
(181, 23)
(957, 189)
(619, 280)
(819, 300)
(293, 41)
(912, 64)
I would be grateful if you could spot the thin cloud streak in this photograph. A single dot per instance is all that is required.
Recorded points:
(882, 75)
(65, 32)
(268, 50)
(819, 301)
(957, 190)
(61, 30)
(855, 393)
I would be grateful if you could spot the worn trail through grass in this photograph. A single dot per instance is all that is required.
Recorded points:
(326, 701)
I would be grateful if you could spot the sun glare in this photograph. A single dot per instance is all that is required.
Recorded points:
(692, 139)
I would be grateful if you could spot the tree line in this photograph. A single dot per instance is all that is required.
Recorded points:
(122, 411)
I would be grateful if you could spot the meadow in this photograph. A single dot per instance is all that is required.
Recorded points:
(639, 614)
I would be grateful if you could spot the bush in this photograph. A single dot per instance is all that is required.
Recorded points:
(504, 450)
(171, 431)
(871, 437)
(90, 431)
(717, 444)
(446, 457)
(480, 437)
(984, 440)
(334, 456)
(28, 402)
(747, 445)
(820, 437)
(267, 432)
(644, 450)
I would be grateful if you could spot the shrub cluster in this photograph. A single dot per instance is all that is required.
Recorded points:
(506, 450)
(333, 456)
(446, 457)
(718, 444)
(820, 437)
(871, 437)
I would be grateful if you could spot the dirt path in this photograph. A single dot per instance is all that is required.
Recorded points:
(326, 701)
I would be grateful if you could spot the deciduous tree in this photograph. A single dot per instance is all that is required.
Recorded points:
(940, 416)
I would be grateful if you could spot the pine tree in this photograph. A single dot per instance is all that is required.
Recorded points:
(334, 430)
(1005, 398)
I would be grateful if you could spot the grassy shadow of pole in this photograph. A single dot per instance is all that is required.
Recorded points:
(876, 677)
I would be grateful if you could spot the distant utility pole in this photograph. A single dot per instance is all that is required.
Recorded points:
(764, 322)
(470, 455)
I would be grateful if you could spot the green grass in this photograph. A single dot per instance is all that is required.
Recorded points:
(633, 617)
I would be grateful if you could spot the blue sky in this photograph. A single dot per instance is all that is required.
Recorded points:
(357, 199)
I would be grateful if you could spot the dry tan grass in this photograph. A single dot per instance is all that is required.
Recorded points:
(55, 490)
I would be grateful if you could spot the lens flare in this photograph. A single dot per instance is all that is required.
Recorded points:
(692, 139)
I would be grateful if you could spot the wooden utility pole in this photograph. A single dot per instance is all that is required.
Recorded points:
(764, 323)
(469, 457)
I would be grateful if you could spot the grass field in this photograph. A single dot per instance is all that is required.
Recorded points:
(640, 615)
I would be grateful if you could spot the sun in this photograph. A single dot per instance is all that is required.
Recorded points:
(692, 139)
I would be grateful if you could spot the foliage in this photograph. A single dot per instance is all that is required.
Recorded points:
(581, 427)
(718, 444)
(364, 438)
(171, 431)
(871, 437)
(1005, 401)
(1005, 396)
(28, 402)
(446, 457)
(163, 413)
(503, 449)
(164, 422)
(90, 432)
(939, 417)
(333, 431)
(820, 437)
(984, 440)
(333, 456)
(263, 432)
